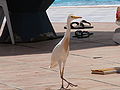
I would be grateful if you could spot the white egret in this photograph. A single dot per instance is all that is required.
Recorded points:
(61, 51)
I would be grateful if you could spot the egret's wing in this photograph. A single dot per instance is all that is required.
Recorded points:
(54, 62)
(55, 56)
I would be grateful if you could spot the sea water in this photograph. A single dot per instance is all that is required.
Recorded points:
(85, 2)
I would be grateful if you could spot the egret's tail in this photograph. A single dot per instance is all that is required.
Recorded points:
(54, 63)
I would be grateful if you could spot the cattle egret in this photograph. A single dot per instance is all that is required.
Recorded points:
(61, 51)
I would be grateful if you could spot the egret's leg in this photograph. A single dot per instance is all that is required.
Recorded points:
(62, 75)
(62, 79)
(62, 87)
(69, 83)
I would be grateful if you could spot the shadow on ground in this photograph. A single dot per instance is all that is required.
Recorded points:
(98, 39)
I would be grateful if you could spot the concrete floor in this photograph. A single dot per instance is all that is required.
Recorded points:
(25, 66)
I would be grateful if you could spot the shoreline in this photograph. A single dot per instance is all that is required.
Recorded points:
(86, 6)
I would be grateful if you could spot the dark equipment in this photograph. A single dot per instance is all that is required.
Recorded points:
(29, 21)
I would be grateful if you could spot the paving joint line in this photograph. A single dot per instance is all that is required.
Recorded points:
(80, 55)
(89, 41)
(103, 82)
(94, 58)
(48, 69)
(11, 86)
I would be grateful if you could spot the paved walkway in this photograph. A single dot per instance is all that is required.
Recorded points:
(92, 14)
(25, 66)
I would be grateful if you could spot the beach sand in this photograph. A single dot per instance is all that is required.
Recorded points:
(92, 14)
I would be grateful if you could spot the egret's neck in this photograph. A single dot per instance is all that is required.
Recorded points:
(66, 38)
(67, 33)
(68, 24)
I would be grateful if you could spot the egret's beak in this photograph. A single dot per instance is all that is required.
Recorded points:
(76, 17)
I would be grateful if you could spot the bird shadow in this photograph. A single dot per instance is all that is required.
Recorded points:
(98, 39)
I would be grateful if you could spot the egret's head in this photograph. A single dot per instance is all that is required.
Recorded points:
(72, 17)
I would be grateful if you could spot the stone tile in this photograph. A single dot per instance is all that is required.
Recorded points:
(25, 66)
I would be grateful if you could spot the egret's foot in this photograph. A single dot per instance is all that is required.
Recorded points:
(62, 88)
(70, 84)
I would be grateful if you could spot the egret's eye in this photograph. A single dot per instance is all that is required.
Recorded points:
(72, 16)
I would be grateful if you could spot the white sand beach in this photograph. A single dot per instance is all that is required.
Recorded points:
(89, 13)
